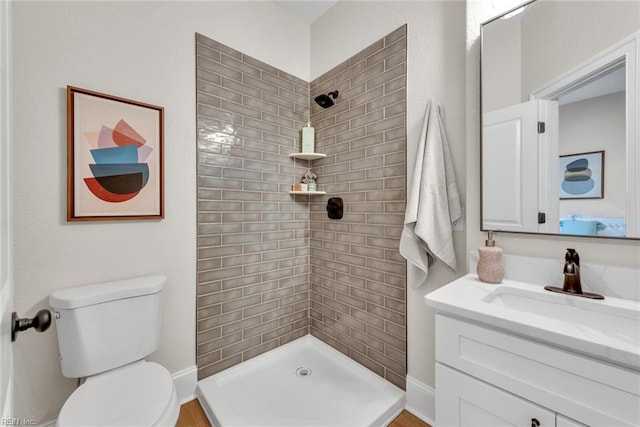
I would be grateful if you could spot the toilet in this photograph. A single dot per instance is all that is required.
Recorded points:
(105, 331)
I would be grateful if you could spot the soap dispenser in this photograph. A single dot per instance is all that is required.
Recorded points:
(490, 267)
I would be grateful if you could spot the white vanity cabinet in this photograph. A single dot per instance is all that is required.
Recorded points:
(486, 376)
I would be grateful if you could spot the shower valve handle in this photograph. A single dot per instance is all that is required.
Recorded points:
(40, 322)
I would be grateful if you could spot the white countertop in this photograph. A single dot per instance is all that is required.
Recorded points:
(615, 339)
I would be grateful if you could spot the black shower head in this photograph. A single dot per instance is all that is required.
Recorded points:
(326, 101)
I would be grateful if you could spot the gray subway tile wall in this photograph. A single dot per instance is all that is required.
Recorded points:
(358, 277)
(253, 255)
(271, 266)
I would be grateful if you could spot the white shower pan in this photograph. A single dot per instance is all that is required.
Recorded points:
(303, 383)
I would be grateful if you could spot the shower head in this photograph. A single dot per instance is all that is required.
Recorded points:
(326, 101)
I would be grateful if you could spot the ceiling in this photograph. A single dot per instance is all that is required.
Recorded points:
(306, 10)
(609, 82)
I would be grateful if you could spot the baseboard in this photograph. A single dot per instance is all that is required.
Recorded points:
(186, 382)
(421, 400)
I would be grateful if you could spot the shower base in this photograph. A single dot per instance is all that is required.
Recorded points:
(303, 383)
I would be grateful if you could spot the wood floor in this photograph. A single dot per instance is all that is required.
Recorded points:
(192, 415)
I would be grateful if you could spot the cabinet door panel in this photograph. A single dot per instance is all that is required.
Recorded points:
(463, 401)
(567, 422)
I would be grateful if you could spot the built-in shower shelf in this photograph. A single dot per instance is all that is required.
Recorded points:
(309, 193)
(307, 156)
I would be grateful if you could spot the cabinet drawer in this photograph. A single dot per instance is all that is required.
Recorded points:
(567, 422)
(590, 391)
(463, 401)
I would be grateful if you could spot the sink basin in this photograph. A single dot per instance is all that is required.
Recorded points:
(606, 329)
(599, 318)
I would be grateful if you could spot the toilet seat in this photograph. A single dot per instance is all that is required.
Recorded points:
(139, 394)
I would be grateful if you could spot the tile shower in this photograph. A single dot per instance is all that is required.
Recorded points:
(271, 266)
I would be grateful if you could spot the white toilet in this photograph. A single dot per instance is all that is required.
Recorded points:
(104, 333)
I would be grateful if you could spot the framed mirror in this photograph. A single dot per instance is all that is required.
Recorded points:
(560, 106)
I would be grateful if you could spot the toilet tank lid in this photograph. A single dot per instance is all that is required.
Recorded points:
(82, 296)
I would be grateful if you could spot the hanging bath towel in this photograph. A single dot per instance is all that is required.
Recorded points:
(433, 201)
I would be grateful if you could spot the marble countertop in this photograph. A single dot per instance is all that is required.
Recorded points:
(606, 329)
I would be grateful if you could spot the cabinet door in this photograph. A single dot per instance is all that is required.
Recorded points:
(462, 400)
(562, 421)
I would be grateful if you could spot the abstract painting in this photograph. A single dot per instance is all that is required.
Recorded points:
(582, 175)
(114, 157)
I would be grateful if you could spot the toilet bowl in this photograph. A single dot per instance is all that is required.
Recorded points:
(140, 394)
(104, 332)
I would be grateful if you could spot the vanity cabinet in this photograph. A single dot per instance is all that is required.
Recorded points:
(489, 377)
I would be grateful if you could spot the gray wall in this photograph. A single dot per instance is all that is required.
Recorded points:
(253, 248)
(596, 124)
(358, 277)
(260, 250)
(559, 35)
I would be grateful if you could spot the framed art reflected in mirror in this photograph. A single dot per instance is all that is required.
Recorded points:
(582, 176)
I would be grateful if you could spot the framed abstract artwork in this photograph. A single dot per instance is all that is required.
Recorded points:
(114, 158)
(582, 175)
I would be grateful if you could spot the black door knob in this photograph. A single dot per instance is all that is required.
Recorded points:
(40, 323)
(535, 422)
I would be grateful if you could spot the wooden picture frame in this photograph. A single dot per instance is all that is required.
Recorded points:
(582, 175)
(115, 165)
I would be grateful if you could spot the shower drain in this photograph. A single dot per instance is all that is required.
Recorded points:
(303, 372)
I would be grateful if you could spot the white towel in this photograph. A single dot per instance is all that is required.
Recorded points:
(433, 201)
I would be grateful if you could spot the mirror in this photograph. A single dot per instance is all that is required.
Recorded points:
(560, 89)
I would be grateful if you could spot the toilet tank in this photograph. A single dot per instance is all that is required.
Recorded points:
(106, 325)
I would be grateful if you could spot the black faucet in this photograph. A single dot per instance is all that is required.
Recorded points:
(571, 271)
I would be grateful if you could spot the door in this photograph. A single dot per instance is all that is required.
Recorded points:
(464, 401)
(510, 168)
(6, 278)
(519, 167)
